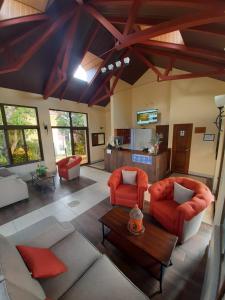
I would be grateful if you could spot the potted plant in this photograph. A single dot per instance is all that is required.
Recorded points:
(41, 170)
(155, 141)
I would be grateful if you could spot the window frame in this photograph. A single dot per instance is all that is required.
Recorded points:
(5, 127)
(71, 127)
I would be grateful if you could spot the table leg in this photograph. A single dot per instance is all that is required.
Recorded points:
(161, 277)
(53, 181)
(103, 234)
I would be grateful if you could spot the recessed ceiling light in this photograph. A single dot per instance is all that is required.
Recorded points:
(111, 67)
(103, 70)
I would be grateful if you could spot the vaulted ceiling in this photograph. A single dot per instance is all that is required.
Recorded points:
(40, 52)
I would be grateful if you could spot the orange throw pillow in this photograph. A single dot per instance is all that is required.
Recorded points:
(41, 262)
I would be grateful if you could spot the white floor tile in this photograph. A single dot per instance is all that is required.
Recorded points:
(27, 220)
(8, 229)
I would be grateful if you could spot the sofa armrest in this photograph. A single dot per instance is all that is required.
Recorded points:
(75, 163)
(62, 162)
(115, 179)
(156, 191)
(192, 207)
(44, 233)
(142, 181)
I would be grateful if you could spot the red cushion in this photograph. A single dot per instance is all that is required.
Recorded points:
(127, 191)
(41, 262)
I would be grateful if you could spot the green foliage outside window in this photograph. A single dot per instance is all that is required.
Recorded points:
(18, 115)
(3, 149)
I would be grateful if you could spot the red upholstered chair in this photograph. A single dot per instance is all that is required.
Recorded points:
(69, 170)
(183, 219)
(126, 194)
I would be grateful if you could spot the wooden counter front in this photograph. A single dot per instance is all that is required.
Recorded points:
(158, 169)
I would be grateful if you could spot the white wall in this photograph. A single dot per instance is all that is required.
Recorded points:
(96, 119)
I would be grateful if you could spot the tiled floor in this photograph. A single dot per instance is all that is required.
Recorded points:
(67, 207)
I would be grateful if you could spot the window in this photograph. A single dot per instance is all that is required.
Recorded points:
(19, 135)
(81, 74)
(70, 134)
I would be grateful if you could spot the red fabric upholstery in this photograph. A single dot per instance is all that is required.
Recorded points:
(172, 215)
(41, 262)
(126, 194)
(64, 167)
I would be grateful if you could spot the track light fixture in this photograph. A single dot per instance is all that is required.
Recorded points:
(117, 64)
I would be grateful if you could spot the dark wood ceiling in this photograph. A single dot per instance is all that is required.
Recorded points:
(40, 53)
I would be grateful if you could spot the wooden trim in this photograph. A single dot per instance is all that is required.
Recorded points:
(23, 20)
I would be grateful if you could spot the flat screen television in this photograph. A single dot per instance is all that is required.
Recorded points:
(147, 116)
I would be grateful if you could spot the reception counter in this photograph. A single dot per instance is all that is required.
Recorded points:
(156, 166)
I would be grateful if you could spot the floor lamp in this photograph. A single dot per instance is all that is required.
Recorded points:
(220, 103)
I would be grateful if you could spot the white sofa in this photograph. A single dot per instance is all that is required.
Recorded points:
(12, 189)
(90, 274)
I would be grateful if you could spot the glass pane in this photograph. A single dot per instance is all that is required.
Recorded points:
(62, 142)
(4, 159)
(59, 118)
(1, 121)
(16, 115)
(16, 144)
(80, 144)
(33, 146)
(79, 120)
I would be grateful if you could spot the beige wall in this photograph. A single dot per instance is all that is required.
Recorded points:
(96, 119)
(147, 93)
(121, 110)
(180, 101)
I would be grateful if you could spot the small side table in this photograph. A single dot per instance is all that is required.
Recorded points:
(43, 182)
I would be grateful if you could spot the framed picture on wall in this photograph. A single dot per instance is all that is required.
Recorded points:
(98, 139)
(208, 137)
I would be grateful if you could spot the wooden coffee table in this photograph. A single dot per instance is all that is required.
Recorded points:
(152, 249)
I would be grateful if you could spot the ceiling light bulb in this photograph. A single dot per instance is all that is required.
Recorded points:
(103, 70)
(111, 67)
(126, 60)
(118, 64)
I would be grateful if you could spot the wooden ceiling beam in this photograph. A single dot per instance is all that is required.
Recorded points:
(101, 86)
(102, 98)
(17, 63)
(104, 63)
(85, 50)
(192, 75)
(178, 56)
(197, 4)
(209, 54)
(179, 23)
(63, 58)
(132, 16)
(169, 67)
(103, 21)
(147, 62)
(23, 20)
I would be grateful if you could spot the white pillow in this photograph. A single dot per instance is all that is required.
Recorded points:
(181, 193)
(129, 177)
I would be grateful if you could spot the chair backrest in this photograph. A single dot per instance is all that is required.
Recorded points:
(129, 168)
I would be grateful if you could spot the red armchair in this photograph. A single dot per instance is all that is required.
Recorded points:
(69, 167)
(126, 194)
(183, 219)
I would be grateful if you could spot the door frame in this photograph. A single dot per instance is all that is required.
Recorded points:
(173, 146)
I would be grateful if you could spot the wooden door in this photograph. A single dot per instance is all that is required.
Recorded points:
(182, 134)
(163, 131)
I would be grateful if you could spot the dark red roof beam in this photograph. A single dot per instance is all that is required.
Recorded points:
(101, 86)
(180, 23)
(102, 98)
(103, 21)
(86, 47)
(197, 4)
(169, 67)
(139, 55)
(193, 75)
(132, 16)
(17, 39)
(104, 63)
(119, 73)
(23, 20)
(17, 63)
(179, 56)
(63, 58)
(209, 54)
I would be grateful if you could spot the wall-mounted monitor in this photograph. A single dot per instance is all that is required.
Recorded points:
(147, 116)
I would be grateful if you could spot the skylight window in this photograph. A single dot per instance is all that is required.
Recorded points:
(81, 74)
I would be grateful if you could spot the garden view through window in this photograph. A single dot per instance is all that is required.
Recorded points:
(70, 134)
(19, 135)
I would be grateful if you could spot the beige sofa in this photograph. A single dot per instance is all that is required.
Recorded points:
(91, 275)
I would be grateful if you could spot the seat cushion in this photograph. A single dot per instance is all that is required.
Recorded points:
(103, 281)
(127, 191)
(41, 262)
(78, 254)
(14, 271)
(165, 213)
